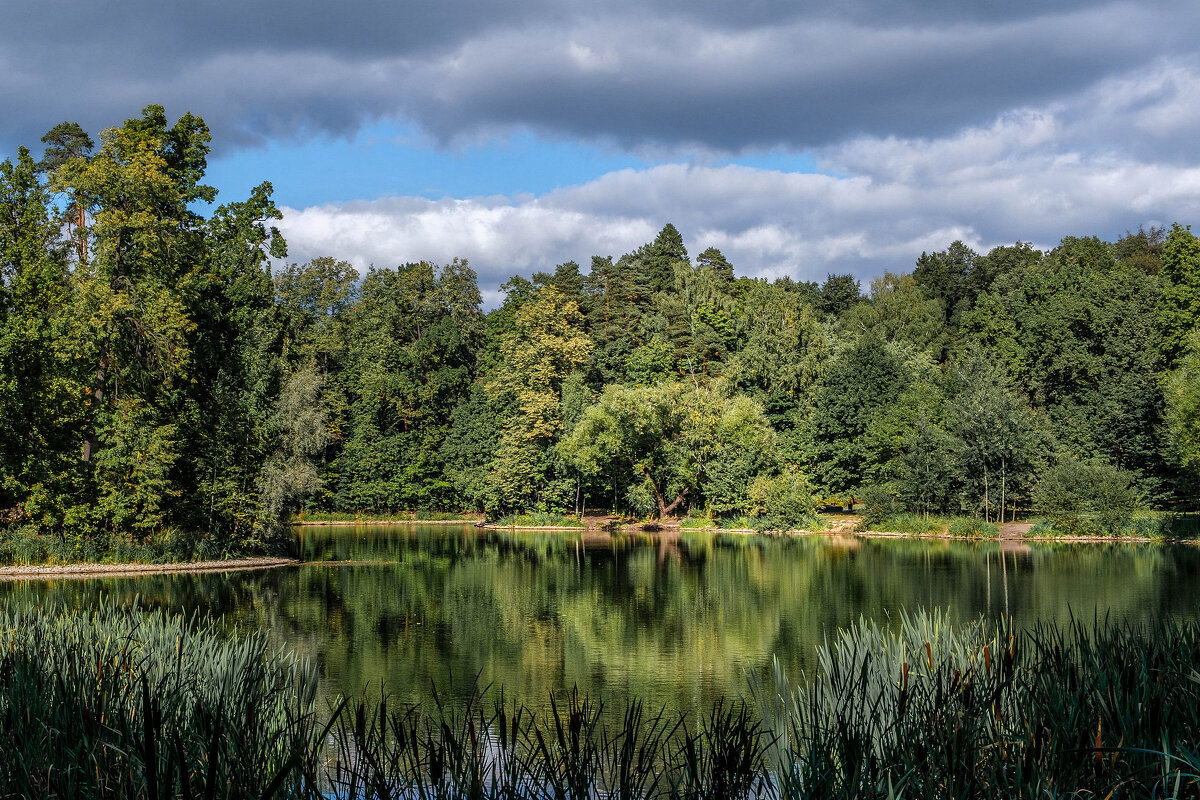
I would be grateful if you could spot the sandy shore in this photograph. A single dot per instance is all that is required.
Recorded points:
(127, 570)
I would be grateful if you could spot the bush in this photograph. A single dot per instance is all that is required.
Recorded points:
(879, 504)
(1086, 498)
(973, 528)
(640, 498)
(784, 502)
(698, 521)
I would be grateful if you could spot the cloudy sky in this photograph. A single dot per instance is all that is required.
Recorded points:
(800, 138)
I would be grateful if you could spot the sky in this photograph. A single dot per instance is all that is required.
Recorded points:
(801, 139)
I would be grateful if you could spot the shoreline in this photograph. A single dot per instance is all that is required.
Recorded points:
(94, 570)
(300, 523)
(133, 569)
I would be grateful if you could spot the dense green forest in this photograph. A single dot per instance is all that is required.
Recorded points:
(159, 380)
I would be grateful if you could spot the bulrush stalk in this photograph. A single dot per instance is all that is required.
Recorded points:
(121, 702)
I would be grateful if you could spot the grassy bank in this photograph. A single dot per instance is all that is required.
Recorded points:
(308, 518)
(1144, 525)
(124, 703)
(809, 524)
(539, 519)
(26, 547)
(919, 525)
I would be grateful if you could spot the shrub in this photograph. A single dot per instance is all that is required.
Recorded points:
(697, 521)
(784, 502)
(879, 504)
(641, 499)
(1086, 498)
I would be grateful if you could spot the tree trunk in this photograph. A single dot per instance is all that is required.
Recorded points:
(89, 446)
(80, 222)
(1003, 486)
(987, 503)
(665, 510)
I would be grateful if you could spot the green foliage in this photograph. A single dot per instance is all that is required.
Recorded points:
(1183, 406)
(676, 443)
(879, 504)
(119, 702)
(838, 294)
(1082, 498)
(1093, 350)
(1179, 308)
(858, 387)
(899, 522)
(698, 521)
(999, 443)
(156, 381)
(925, 708)
(784, 502)
(900, 313)
(539, 519)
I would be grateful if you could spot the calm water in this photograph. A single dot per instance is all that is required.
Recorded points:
(676, 620)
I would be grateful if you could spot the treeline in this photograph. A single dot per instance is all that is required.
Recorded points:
(156, 380)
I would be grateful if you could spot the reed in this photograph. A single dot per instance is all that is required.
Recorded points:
(120, 702)
(928, 709)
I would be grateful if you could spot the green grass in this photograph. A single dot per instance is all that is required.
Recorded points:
(384, 516)
(916, 524)
(539, 519)
(698, 522)
(1143, 525)
(118, 702)
(930, 709)
(24, 547)
(907, 523)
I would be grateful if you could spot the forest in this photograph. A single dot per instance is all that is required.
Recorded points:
(167, 376)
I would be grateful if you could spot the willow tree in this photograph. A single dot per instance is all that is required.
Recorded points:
(680, 442)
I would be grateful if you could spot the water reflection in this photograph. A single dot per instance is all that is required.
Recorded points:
(678, 619)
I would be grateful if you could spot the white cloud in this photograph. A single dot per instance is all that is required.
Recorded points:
(892, 199)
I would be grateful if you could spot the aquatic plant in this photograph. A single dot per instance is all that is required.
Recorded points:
(123, 702)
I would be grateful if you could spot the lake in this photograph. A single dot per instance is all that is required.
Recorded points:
(677, 619)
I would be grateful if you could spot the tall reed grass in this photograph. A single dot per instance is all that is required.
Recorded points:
(121, 702)
(927, 709)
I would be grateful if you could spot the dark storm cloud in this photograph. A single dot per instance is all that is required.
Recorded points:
(669, 74)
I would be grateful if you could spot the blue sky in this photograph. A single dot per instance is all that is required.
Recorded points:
(387, 158)
(799, 138)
